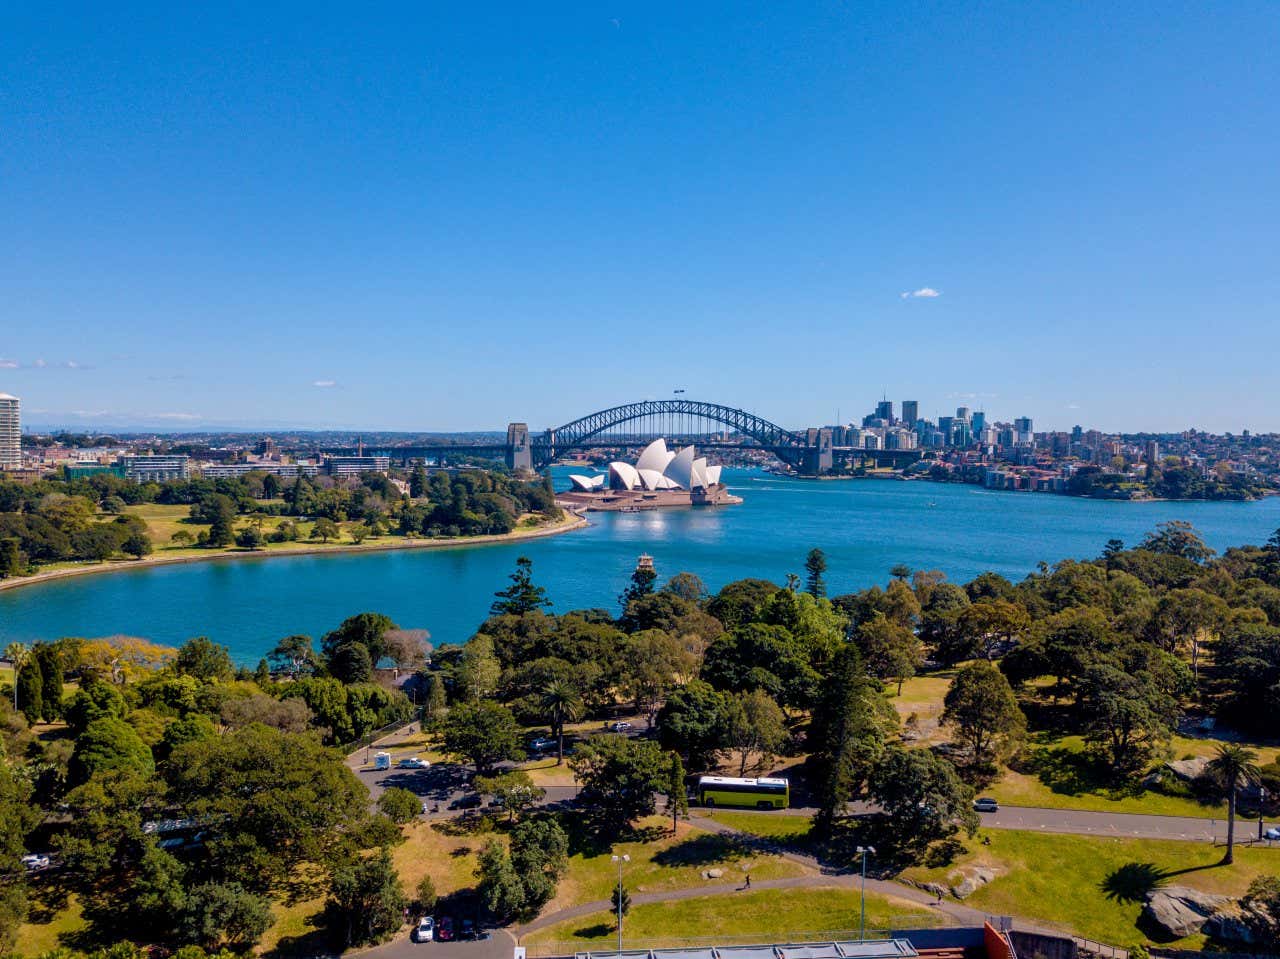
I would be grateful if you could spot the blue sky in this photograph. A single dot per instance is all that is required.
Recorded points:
(425, 218)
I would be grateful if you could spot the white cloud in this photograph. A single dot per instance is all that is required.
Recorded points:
(1073, 406)
(325, 384)
(176, 416)
(41, 364)
(925, 292)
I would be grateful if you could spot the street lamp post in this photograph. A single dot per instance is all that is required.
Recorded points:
(864, 852)
(1262, 799)
(620, 860)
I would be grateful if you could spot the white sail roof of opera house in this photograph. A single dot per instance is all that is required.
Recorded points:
(657, 468)
(655, 456)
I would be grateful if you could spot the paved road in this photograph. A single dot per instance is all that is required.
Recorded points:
(443, 785)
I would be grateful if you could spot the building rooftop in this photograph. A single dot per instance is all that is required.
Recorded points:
(868, 949)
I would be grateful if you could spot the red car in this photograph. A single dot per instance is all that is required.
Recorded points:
(444, 930)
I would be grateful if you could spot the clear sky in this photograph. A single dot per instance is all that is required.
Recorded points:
(448, 216)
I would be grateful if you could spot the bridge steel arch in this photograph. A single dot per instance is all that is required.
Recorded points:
(579, 433)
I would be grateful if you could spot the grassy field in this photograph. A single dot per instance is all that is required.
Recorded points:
(667, 862)
(1091, 885)
(921, 697)
(763, 915)
(788, 829)
(45, 931)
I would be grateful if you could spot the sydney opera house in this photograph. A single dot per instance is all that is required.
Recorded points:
(660, 477)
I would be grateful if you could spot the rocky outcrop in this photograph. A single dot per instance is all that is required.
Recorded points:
(1188, 770)
(970, 881)
(1181, 911)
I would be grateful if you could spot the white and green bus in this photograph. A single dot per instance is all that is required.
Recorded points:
(750, 793)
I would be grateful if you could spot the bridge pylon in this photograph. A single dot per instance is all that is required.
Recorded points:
(519, 449)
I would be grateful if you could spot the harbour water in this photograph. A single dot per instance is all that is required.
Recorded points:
(865, 527)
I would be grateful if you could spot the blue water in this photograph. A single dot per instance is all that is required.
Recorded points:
(865, 527)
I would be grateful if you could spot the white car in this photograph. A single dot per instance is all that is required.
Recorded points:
(35, 861)
(1272, 833)
(542, 744)
(425, 930)
(621, 727)
(413, 762)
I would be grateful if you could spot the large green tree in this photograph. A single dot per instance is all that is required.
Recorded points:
(482, 734)
(619, 777)
(982, 708)
(922, 797)
(366, 899)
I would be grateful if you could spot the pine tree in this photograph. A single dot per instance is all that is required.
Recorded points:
(523, 595)
(847, 736)
(676, 794)
(815, 565)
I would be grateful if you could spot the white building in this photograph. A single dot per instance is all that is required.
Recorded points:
(10, 431)
(657, 469)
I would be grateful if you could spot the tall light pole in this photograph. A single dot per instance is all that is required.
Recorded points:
(864, 852)
(1262, 799)
(620, 860)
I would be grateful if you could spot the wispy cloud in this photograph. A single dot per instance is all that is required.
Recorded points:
(325, 384)
(925, 292)
(175, 416)
(43, 364)
(972, 396)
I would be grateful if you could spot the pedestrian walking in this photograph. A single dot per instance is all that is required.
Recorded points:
(748, 885)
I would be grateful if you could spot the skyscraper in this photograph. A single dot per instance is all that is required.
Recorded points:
(978, 423)
(910, 412)
(10, 431)
(884, 411)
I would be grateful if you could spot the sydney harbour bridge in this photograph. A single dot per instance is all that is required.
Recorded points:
(710, 425)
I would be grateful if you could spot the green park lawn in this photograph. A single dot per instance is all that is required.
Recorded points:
(1058, 774)
(762, 915)
(662, 862)
(788, 829)
(1092, 885)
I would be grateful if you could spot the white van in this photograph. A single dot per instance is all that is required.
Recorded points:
(382, 760)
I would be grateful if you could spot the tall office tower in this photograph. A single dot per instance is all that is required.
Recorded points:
(910, 412)
(945, 428)
(884, 411)
(962, 413)
(1077, 434)
(1024, 435)
(10, 431)
(979, 423)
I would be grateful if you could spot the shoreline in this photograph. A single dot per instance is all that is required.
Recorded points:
(571, 522)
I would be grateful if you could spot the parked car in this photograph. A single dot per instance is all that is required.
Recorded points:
(444, 931)
(413, 762)
(542, 744)
(35, 861)
(468, 929)
(1272, 833)
(986, 804)
(619, 727)
(426, 930)
(471, 801)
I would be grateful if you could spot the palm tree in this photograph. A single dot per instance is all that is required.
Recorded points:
(562, 704)
(18, 655)
(1232, 765)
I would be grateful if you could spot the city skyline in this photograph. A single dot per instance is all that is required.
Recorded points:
(449, 220)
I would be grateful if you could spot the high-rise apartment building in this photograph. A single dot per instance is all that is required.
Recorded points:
(10, 431)
(910, 413)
